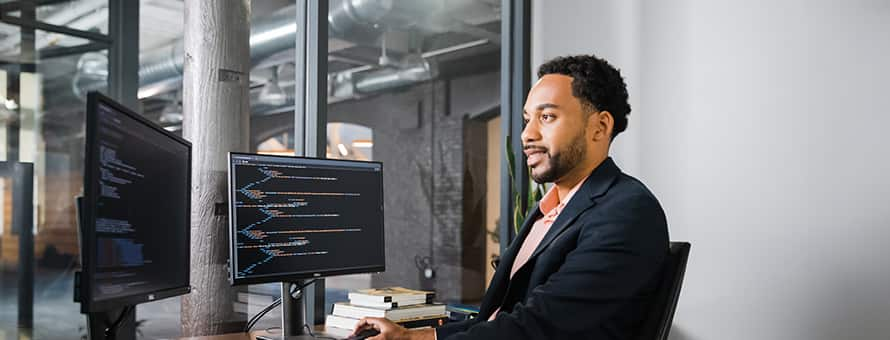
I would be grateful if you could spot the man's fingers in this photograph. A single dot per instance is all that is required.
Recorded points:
(377, 323)
(360, 325)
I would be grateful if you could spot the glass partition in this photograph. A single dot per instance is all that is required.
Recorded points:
(41, 123)
(423, 79)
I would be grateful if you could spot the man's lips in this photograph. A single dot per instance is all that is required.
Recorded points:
(535, 155)
(532, 150)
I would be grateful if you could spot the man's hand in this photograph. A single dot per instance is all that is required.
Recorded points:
(391, 331)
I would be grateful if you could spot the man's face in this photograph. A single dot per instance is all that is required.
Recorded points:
(554, 138)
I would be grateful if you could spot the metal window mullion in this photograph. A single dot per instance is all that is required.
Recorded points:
(310, 109)
(316, 119)
(123, 54)
(39, 25)
(515, 82)
(316, 78)
(71, 50)
(300, 79)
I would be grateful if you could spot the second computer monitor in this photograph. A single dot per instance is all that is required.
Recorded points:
(135, 223)
(295, 218)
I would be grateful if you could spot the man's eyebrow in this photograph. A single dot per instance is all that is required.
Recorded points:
(541, 107)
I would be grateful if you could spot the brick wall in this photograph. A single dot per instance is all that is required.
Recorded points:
(421, 143)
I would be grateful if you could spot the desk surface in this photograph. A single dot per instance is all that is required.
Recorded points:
(245, 336)
(319, 330)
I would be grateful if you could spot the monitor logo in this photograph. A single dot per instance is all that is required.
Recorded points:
(151, 297)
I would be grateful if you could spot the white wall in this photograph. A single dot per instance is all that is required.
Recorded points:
(762, 129)
(562, 28)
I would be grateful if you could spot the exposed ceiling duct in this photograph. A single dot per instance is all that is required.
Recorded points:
(362, 22)
(161, 70)
(351, 17)
(351, 84)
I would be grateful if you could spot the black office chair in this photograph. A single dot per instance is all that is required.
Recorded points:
(657, 325)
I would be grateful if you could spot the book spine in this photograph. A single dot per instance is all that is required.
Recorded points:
(365, 297)
(416, 313)
(436, 322)
(413, 300)
(376, 305)
(357, 312)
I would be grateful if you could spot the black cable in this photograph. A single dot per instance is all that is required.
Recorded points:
(256, 318)
(111, 331)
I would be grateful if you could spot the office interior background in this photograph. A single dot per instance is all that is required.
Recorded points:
(758, 124)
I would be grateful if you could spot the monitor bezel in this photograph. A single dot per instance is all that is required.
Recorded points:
(299, 275)
(88, 218)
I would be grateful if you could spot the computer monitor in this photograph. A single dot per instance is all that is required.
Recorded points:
(294, 218)
(134, 214)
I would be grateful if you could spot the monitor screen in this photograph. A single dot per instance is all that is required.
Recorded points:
(295, 218)
(135, 221)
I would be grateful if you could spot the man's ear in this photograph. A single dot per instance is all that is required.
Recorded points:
(603, 123)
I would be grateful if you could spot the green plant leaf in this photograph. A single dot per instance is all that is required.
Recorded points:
(511, 160)
(517, 215)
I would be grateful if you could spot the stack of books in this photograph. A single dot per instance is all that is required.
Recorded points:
(406, 307)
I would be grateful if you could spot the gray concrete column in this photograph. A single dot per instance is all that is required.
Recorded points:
(216, 121)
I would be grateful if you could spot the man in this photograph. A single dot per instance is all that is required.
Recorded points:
(587, 261)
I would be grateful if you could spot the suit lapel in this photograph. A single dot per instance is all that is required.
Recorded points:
(595, 186)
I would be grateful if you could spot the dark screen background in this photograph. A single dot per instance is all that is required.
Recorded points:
(141, 212)
(293, 217)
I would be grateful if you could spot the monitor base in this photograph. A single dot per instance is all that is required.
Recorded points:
(99, 321)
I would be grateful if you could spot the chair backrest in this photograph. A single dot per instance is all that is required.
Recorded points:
(657, 325)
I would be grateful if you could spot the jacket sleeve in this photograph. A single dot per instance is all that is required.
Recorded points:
(615, 258)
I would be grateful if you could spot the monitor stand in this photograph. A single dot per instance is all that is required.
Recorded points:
(99, 321)
(293, 309)
(293, 313)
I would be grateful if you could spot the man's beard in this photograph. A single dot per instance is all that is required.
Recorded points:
(561, 163)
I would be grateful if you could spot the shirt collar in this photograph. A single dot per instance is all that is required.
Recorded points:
(551, 198)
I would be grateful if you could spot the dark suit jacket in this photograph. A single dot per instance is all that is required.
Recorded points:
(591, 277)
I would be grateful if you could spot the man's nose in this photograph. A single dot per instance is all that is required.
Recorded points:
(530, 133)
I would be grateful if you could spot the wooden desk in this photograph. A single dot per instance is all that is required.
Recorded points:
(252, 336)
(318, 330)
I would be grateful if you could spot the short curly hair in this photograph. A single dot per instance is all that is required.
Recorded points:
(596, 83)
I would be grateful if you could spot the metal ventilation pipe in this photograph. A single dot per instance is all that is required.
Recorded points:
(360, 20)
(347, 85)
(161, 70)
(378, 80)
(347, 16)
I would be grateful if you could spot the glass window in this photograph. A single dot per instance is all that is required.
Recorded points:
(83, 15)
(272, 81)
(41, 122)
(423, 76)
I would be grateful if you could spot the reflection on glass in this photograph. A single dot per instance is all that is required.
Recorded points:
(349, 141)
(84, 15)
(41, 122)
(424, 77)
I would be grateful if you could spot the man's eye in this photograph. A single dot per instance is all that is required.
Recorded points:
(547, 117)
(525, 121)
